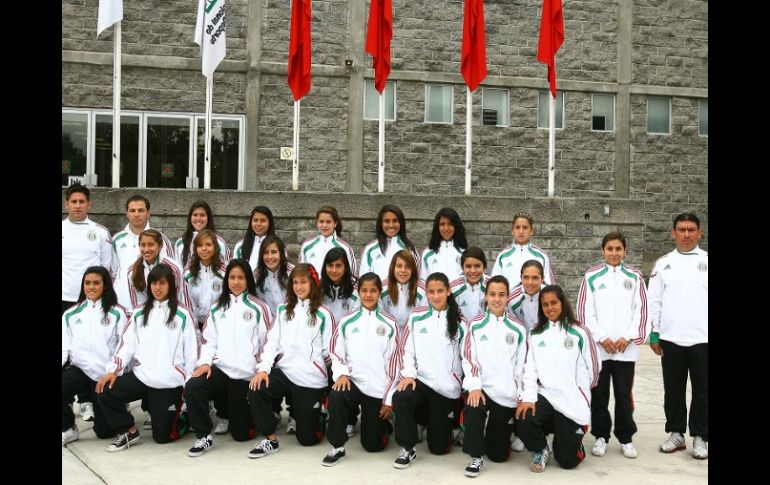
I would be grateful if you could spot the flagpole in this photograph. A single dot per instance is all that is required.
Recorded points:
(295, 165)
(207, 144)
(381, 155)
(468, 149)
(551, 145)
(116, 75)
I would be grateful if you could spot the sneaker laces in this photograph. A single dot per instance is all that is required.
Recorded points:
(122, 440)
(540, 457)
(475, 463)
(335, 451)
(404, 453)
(202, 442)
(266, 445)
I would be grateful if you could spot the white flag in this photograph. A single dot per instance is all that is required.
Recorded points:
(110, 11)
(210, 34)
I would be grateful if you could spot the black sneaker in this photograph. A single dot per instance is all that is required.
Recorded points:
(201, 446)
(264, 448)
(405, 458)
(334, 456)
(123, 441)
(474, 467)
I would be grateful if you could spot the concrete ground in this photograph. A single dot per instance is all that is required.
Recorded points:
(85, 462)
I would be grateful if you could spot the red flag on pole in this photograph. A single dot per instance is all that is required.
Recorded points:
(473, 60)
(551, 38)
(378, 37)
(299, 49)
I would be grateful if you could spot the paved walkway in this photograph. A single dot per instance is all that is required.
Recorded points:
(85, 462)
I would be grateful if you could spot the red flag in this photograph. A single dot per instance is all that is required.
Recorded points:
(551, 38)
(378, 37)
(299, 49)
(473, 63)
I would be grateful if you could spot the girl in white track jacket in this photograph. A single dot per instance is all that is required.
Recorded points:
(391, 238)
(314, 250)
(447, 243)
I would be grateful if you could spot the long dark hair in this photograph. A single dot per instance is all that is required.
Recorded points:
(567, 317)
(348, 280)
(188, 233)
(393, 291)
(195, 260)
(382, 238)
(315, 296)
(251, 287)
(453, 313)
(249, 234)
(161, 272)
(262, 271)
(332, 211)
(137, 273)
(459, 237)
(109, 297)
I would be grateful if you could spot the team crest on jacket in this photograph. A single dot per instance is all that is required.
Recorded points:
(703, 267)
(381, 330)
(568, 343)
(627, 284)
(91, 236)
(216, 286)
(247, 315)
(509, 339)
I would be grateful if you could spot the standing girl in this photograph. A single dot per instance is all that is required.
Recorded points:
(261, 224)
(403, 290)
(524, 300)
(204, 274)
(560, 369)
(160, 336)
(447, 243)
(510, 259)
(391, 238)
(150, 246)
(301, 335)
(329, 226)
(233, 336)
(272, 273)
(613, 304)
(493, 361)
(198, 219)
(430, 375)
(364, 363)
(90, 333)
(469, 288)
(338, 284)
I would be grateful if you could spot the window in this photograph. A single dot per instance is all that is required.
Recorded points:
(703, 117)
(658, 115)
(156, 149)
(372, 101)
(494, 106)
(602, 112)
(129, 150)
(438, 103)
(74, 145)
(225, 153)
(543, 100)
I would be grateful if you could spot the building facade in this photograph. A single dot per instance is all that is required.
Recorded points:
(632, 77)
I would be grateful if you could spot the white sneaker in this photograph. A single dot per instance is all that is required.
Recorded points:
(223, 426)
(87, 411)
(291, 426)
(700, 448)
(600, 447)
(674, 442)
(147, 422)
(70, 435)
(628, 449)
(517, 444)
(350, 430)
